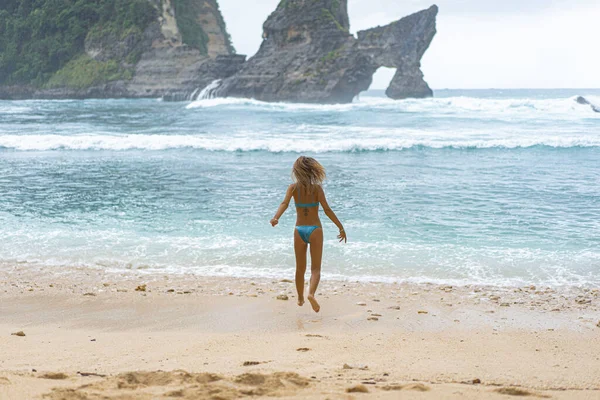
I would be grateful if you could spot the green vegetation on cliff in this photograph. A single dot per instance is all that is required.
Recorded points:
(84, 71)
(190, 27)
(39, 37)
(191, 31)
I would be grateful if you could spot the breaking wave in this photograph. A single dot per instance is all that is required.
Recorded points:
(293, 143)
(444, 105)
(166, 142)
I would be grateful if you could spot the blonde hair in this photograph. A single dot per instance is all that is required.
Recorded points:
(308, 172)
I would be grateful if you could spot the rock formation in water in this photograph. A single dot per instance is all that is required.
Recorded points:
(584, 101)
(308, 55)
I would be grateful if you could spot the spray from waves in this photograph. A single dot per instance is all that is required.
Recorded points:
(317, 143)
(448, 105)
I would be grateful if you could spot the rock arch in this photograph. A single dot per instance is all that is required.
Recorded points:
(310, 56)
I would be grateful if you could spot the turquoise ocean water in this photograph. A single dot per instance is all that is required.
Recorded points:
(479, 186)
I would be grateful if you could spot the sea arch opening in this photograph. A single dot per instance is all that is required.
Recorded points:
(379, 83)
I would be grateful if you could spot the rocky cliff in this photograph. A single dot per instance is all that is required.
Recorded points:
(180, 46)
(172, 67)
(308, 55)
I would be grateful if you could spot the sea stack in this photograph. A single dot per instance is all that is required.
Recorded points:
(308, 55)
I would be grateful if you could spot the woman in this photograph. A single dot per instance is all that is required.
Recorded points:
(308, 175)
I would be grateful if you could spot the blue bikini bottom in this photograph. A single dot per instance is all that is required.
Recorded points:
(305, 231)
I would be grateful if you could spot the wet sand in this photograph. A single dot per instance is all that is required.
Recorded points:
(95, 335)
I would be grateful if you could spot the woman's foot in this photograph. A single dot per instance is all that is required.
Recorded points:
(300, 301)
(313, 302)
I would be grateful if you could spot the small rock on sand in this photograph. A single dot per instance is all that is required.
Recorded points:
(372, 319)
(598, 324)
(357, 389)
(286, 281)
(476, 381)
(89, 294)
(505, 305)
(283, 297)
(422, 312)
(141, 288)
(361, 303)
(20, 333)
(303, 349)
(249, 363)
(394, 307)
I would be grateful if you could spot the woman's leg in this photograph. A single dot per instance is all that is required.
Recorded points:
(300, 249)
(316, 254)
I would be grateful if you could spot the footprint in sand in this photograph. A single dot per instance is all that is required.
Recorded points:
(181, 384)
(419, 387)
(54, 375)
(511, 391)
(357, 389)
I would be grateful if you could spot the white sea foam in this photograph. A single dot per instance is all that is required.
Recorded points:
(442, 105)
(370, 141)
(226, 255)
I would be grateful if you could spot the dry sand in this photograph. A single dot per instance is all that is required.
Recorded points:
(92, 335)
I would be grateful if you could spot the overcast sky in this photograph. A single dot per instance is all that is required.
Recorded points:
(479, 44)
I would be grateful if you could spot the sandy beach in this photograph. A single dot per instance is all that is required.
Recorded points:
(96, 335)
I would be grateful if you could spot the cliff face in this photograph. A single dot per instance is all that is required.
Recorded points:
(184, 46)
(173, 69)
(308, 55)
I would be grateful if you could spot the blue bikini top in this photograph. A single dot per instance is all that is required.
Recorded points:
(305, 205)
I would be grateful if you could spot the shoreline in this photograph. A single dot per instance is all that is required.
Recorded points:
(88, 273)
(433, 341)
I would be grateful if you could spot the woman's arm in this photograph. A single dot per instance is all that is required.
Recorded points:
(329, 212)
(284, 205)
